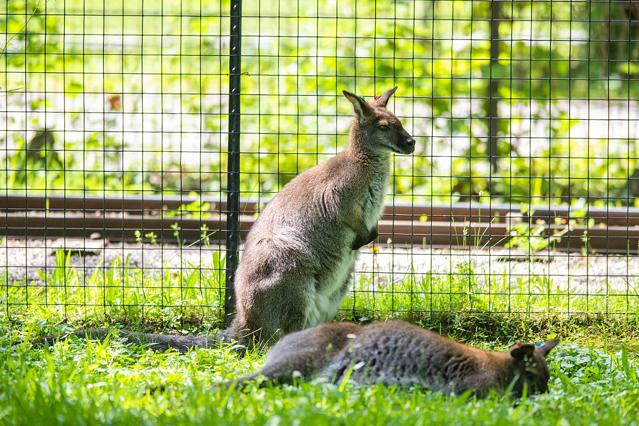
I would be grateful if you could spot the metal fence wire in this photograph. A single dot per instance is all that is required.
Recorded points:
(140, 140)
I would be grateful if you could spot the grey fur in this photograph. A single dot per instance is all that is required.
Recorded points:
(398, 353)
(300, 253)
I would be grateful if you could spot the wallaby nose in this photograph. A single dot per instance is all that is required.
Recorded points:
(410, 143)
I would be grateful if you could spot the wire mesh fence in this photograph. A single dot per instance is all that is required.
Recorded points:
(140, 140)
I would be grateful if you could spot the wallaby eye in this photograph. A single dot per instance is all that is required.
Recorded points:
(382, 127)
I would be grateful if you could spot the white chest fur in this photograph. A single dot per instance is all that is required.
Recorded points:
(374, 201)
(324, 298)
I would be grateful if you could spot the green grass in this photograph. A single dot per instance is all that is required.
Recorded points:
(463, 290)
(83, 382)
(194, 294)
(594, 374)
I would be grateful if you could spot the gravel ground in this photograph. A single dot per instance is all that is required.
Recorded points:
(22, 258)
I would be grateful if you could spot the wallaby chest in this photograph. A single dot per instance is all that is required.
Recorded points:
(362, 206)
(373, 199)
(364, 198)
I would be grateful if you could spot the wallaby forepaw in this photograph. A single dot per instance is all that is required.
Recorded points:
(358, 243)
(363, 241)
(373, 235)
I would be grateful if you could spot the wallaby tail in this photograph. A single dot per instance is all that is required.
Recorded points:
(159, 342)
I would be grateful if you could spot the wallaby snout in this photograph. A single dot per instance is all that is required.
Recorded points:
(402, 142)
(408, 145)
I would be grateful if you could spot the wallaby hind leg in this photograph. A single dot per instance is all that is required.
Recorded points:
(273, 308)
(263, 330)
(248, 329)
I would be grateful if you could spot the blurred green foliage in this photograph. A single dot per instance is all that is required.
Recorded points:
(136, 95)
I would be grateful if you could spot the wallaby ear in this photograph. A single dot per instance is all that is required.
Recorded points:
(546, 347)
(362, 109)
(520, 351)
(383, 100)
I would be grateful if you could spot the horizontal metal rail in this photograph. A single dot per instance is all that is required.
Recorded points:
(118, 219)
(455, 212)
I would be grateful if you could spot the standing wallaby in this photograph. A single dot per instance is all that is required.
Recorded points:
(399, 353)
(299, 254)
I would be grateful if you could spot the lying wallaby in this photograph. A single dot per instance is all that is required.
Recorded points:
(299, 254)
(398, 353)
